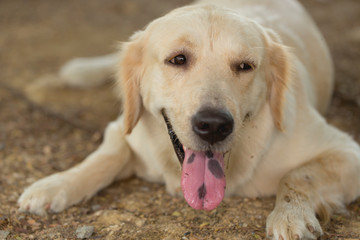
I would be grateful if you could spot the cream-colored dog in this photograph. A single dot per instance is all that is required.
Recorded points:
(240, 87)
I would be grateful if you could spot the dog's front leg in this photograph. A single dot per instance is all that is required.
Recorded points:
(320, 186)
(61, 190)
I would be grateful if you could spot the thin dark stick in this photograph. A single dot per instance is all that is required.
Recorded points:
(36, 107)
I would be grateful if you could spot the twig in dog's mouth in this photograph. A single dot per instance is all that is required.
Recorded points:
(178, 147)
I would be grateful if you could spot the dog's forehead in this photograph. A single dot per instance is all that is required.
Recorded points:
(198, 25)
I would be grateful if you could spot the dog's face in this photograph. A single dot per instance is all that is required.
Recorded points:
(206, 73)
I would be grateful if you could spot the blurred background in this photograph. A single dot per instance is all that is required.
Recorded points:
(45, 128)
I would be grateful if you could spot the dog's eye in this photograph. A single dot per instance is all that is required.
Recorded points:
(178, 60)
(244, 67)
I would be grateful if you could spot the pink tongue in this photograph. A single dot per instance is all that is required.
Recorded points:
(203, 180)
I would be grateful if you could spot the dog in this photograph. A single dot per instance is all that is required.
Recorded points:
(220, 98)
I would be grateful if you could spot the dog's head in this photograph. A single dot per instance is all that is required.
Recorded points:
(206, 72)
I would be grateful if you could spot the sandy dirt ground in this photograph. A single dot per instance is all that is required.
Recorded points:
(48, 129)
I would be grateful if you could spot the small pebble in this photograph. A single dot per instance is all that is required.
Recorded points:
(204, 224)
(4, 234)
(96, 207)
(176, 214)
(168, 238)
(140, 222)
(144, 189)
(84, 232)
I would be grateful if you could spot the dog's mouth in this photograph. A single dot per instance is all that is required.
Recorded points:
(178, 147)
(202, 179)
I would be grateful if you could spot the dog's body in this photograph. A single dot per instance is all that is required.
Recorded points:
(204, 59)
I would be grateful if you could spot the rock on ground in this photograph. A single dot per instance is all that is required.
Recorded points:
(84, 232)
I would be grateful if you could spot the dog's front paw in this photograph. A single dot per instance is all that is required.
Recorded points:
(53, 193)
(290, 221)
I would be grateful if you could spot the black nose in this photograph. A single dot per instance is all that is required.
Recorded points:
(212, 125)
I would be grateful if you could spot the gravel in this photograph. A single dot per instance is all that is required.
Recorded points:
(4, 234)
(84, 232)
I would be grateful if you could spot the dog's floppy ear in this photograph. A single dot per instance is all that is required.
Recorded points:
(278, 76)
(129, 77)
